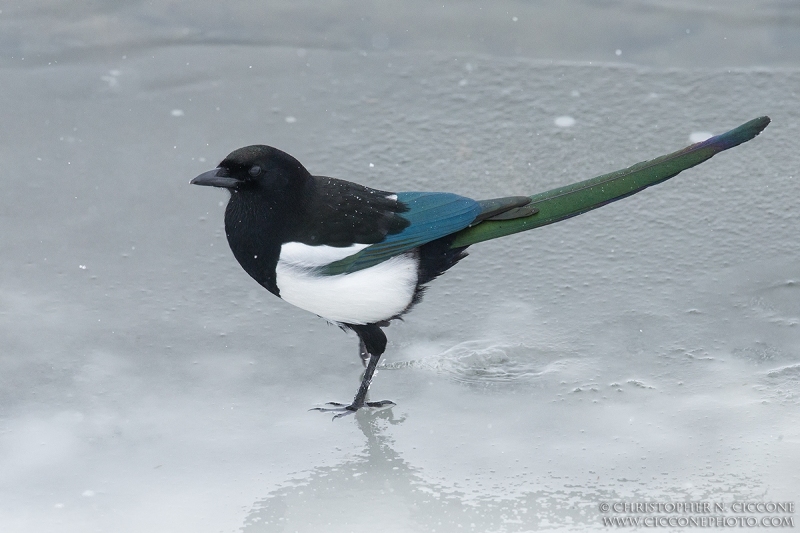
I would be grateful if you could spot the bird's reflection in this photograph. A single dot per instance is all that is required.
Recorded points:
(379, 490)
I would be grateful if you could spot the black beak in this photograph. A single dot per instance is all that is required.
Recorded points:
(216, 178)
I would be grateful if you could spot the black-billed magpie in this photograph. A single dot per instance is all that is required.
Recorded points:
(361, 257)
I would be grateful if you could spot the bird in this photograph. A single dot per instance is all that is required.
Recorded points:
(361, 257)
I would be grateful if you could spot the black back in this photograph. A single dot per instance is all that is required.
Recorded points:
(340, 213)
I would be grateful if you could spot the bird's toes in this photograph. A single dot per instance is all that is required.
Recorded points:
(382, 403)
(335, 406)
(343, 410)
(346, 412)
(339, 408)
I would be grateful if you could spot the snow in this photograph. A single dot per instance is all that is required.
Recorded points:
(699, 136)
(564, 121)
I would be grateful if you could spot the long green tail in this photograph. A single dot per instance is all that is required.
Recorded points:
(565, 202)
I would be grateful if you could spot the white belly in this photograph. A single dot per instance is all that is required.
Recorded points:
(370, 295)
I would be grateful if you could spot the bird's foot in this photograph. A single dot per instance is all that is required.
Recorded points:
(344, 410)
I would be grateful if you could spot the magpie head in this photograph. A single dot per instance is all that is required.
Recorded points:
(258, 170)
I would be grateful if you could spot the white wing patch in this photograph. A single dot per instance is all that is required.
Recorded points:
(299, 254)
(363, 297)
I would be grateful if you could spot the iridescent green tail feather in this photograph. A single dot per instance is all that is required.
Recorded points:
(571, 200)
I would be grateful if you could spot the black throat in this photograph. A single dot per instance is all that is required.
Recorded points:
(255, 229)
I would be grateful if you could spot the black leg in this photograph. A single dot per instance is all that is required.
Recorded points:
(363, 353)
(372, 345)
(361, 395)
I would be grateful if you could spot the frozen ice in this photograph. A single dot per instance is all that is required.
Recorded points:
(541, 376)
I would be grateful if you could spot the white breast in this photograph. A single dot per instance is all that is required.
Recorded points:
(363, 297)
(301, 254)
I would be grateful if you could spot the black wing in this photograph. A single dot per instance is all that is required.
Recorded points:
(340, 213)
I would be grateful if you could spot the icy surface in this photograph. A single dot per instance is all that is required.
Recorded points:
(649, 350)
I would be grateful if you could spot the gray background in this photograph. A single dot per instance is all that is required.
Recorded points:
(646, 351)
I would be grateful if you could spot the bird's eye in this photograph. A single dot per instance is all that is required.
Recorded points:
(254, 171)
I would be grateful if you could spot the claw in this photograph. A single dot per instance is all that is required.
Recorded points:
(382, 403)
(344, 410)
